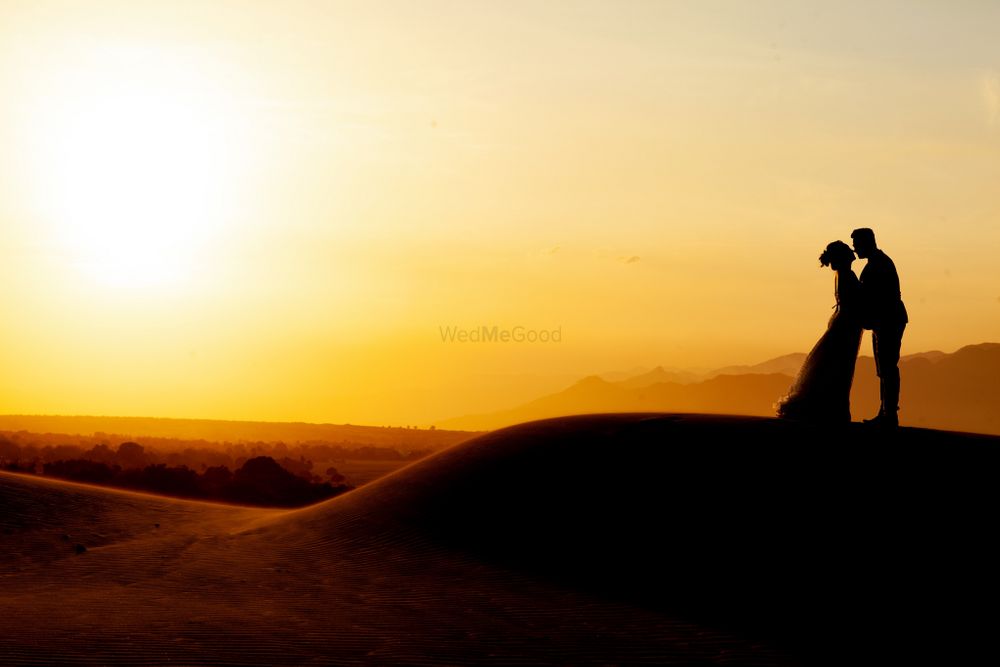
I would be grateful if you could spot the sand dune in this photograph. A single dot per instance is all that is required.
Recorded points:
(601, 539)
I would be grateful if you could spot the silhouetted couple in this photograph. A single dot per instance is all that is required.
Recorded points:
(822, 390)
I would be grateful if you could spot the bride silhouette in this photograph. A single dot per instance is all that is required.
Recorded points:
(821, 391)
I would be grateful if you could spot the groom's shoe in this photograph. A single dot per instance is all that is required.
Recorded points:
(874, 420)
(882, 420)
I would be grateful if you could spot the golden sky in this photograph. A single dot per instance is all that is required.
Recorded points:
(267, 210)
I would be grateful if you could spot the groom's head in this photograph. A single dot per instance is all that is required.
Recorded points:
(864, 242)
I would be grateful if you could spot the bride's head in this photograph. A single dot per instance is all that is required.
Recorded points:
(838, 255)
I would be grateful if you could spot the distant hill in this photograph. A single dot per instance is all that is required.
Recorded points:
(958, 391)
(723, 394)
(658, 374)
(788, 364)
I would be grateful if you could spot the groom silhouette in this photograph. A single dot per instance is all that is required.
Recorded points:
(884, 313)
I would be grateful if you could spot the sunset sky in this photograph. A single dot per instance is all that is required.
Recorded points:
(268, 210)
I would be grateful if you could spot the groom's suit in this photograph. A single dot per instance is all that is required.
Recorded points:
(885, 314)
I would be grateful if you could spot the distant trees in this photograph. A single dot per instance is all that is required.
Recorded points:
(258, 473)
(30, 452)
(80, 470)
(132, 455)
(300, 458)
(262, 480)
(9, 451)
(259, 481)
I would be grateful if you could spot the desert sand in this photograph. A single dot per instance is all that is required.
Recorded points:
(596, 539)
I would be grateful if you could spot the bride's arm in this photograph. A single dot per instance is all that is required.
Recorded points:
(851, 294)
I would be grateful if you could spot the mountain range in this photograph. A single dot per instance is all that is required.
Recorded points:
(957, 391)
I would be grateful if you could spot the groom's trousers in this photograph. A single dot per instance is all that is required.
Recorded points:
(886, 342)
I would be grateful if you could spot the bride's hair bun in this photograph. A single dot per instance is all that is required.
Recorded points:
(836, 250)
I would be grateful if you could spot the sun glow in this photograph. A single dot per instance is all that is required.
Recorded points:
(135, 165)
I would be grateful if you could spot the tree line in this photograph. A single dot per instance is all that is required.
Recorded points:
(258, 479)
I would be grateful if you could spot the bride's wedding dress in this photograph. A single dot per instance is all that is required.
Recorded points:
(822, 390)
